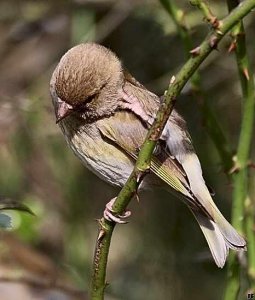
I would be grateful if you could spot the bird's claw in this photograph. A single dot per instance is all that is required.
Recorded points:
(111, 216)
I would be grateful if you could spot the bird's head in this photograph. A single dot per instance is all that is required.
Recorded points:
(87, 77)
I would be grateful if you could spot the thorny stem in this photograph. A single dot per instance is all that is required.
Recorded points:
(143, 162)
(206, 11)
(250, 235)
(242, 208)
(210, 121)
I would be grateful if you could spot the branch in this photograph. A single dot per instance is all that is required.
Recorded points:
(143, 162)
(242, 215)
(177, 16)
(250, 235)
(206, 11)
(210, 121)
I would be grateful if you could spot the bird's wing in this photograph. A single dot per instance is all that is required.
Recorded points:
(182, 172)
(128, 132)
(178, 165)
(178, 144)
(179, 148)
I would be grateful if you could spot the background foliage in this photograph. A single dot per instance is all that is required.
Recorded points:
(161, 253)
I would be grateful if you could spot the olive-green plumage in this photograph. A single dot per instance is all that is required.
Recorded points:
(105, 113)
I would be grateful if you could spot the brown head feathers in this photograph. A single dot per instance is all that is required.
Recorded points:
(84, 71)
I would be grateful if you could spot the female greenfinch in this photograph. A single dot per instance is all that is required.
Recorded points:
(104, 114)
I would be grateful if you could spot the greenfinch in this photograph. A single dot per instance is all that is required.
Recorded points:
(104, 114)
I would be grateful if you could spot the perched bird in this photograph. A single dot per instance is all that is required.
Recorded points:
(104, 114)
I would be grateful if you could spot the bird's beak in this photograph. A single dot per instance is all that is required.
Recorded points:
(63, 110)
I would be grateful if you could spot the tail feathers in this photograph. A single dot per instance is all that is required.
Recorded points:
(214, 238)
(234, 240)
(218, 232)
(218, 239)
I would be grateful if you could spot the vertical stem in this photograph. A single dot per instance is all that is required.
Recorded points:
(240, 178)
(250, 234)
(177, 16)
(100, 259)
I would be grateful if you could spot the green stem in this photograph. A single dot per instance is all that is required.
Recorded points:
(240, 178)
(144, 157)
(177, 16)
(100, 259)
(218, 137)
(210, 121)
(206, 11)
(250, 234)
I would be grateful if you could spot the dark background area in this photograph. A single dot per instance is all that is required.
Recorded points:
(161, 253)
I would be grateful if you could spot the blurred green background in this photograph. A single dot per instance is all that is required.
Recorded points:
(161, 253)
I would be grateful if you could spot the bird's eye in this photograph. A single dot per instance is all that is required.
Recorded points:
(90, 98)
(81, 105)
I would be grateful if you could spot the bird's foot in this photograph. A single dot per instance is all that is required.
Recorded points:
(112, 216)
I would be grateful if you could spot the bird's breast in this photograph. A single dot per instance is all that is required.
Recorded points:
(100, 156)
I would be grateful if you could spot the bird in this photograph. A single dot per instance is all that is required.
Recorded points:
(105, 113)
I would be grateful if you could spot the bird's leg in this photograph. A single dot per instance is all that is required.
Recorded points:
(111, 216)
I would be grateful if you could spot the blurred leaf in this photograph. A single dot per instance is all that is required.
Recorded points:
(5, 221)
(25, 226)
(6, 203)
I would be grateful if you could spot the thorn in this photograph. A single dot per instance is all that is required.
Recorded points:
(213, 42)
(137, 197)
(219, 26)
(215, 23)
(236, 166)
(141, 174)
(246, 74)
(139, 177)
(219, 32)
(251, 164)
(181, 14)
(101, 234)
(195, 51)
(157, 150)
(232, 47)
(234, 169)
(172, 80)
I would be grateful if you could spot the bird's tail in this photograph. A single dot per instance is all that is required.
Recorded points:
(219, 233)
(220, 236)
